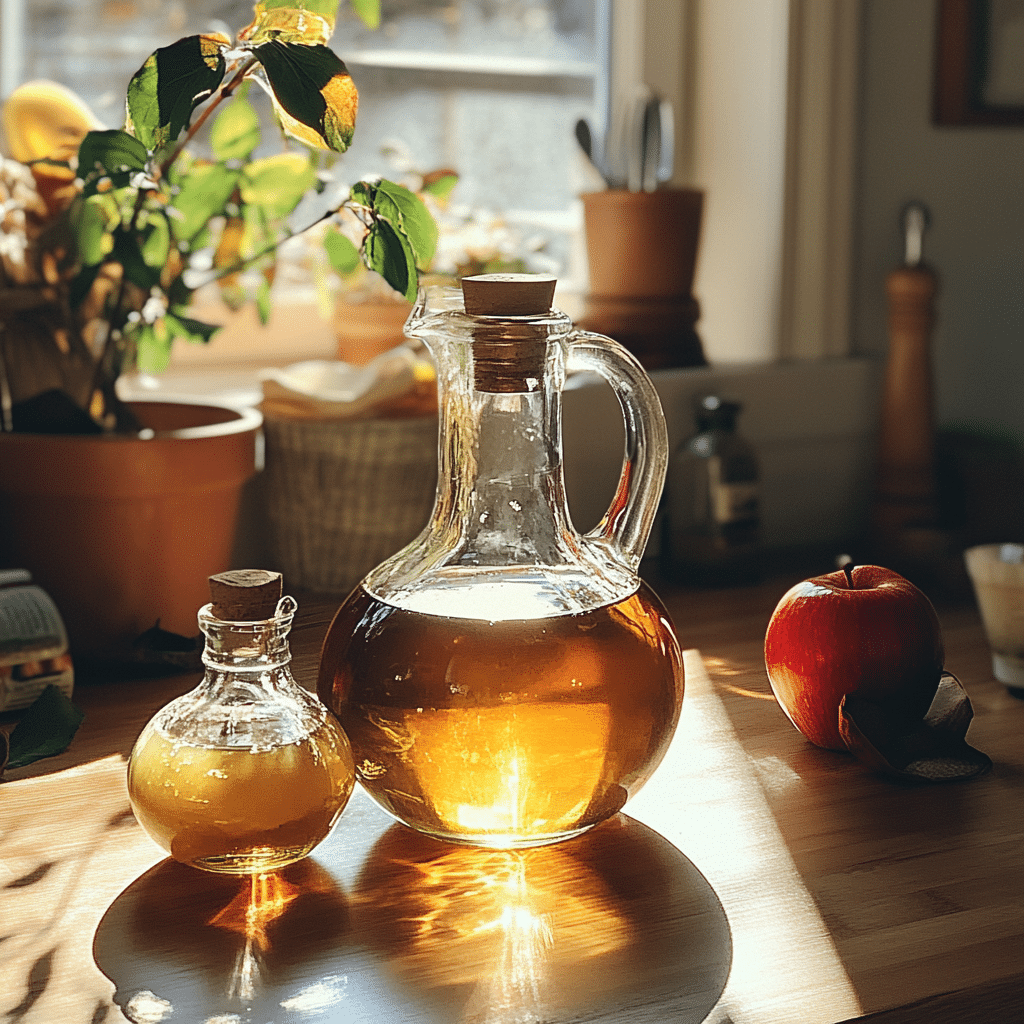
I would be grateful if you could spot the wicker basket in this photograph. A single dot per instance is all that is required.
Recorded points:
(343, 495)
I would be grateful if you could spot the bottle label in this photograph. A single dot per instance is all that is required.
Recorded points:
(731, 502)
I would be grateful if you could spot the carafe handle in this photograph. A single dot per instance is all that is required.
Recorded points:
(626, 526)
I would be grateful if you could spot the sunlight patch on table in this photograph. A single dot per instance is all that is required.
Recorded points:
(707, 799)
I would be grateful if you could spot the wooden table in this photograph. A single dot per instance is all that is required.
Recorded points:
(822, 892)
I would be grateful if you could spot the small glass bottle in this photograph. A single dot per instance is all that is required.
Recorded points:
(248, 772)
(712, 514)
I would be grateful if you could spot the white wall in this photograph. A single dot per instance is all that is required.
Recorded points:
(739, 153)
(972, 180)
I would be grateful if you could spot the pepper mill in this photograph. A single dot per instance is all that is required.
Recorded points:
(904, 516)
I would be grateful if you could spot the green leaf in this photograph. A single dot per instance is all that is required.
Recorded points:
(441, 186)
(293, 21)
(179, 293)
(127, 251)
(277, 183)
(152, 346)
(112, 153)
(263, 304)
(362, 193)
(188, 328)
(236, 130)
(342, 253)
(408, 215)
(45, 730)
(92, 223)
(156, 241)
(314, 96)
(167, 88)
(368, 12)
(202, 194)
(389, 253)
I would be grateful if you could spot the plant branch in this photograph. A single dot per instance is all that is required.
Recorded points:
(241, 265)
(116, 319)
(363, 213)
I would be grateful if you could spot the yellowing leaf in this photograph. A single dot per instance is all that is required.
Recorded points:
(229, 249)
(45, 121)
(440, 183)
(314, 95)
(291, 21)
(167, 88)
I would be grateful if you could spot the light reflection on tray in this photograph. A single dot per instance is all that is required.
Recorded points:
(383, 924)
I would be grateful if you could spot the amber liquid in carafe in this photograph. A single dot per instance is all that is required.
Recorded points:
(223, 808)
(503, 733)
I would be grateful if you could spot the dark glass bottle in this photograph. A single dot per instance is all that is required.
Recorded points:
(712, 514)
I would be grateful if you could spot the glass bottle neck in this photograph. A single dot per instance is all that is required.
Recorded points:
(501, 487)
(248, 647)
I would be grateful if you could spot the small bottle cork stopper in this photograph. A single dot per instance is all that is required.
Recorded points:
(508, 294)
(245, 595)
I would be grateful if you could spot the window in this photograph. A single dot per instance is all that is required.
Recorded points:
(490, 88)
(765, 98)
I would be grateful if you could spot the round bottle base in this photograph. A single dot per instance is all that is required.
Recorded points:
(252, 862)
(501, 842)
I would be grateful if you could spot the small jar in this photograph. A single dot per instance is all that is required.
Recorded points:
(249, 771)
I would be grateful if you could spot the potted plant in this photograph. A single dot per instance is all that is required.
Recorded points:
(103, 248)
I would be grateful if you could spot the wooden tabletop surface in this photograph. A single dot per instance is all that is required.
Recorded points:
(755, 879)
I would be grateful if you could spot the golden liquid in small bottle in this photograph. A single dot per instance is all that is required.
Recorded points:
(505, 733)
(237, 810)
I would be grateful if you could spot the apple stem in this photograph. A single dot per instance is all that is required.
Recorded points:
(848, 570)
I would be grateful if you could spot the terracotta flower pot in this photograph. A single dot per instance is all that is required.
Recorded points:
(642, 245)
(123, 531)
(642, 255)
(366, 329)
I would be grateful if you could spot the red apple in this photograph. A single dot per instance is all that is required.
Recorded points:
(863, 630)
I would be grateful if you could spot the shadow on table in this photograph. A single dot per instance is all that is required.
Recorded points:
(614, 923)
(182, 944)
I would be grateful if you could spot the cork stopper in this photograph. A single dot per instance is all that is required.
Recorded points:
(508, 355)
(508, 294)
(245, 595)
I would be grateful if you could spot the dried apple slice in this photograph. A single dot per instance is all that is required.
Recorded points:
(931, 749)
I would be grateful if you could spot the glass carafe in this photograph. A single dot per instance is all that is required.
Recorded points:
(504, 680)
(248, 772)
